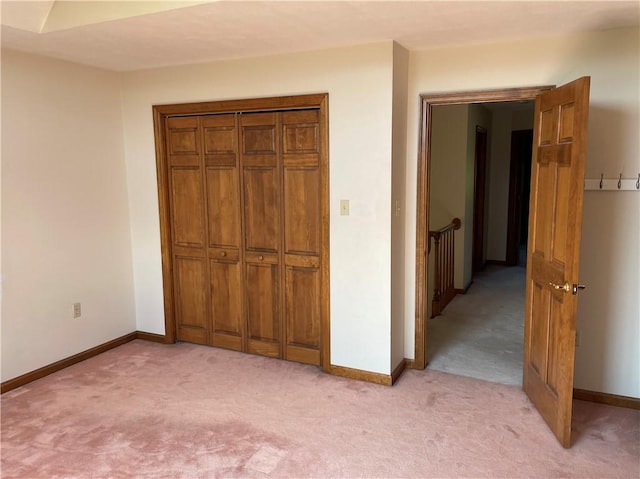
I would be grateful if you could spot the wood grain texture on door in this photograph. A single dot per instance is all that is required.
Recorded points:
(302, 229)
(244, 222)
(554, 251)
(186, 199)
(222, 188)
(260, 157)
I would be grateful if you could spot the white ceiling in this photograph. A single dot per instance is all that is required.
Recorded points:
(135, 35)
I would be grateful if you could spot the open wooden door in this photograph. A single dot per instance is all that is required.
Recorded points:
(555, 221)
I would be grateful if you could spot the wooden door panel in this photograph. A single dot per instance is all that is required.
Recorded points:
(182, 141)
(302, 213)
(301, 132)
(262, 310)
(302, 314)
(191, 299)
(183, 136)
(554, 252)
(540, 330)
(220, 137)
(222, 191)
(301, 138)
(261, 209)
(543, 225)
(261, 181)
(223, 206)
(187, 212)
(261, 196)
(259, 139)
(187, 207)
(555, 354)
(561, 214)
(226, 303)
(303, 217)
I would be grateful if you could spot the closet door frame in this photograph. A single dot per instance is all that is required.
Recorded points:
(287, 103)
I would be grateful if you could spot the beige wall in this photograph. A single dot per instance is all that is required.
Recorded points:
(65, 220)
(504, 122)
(608, 359)
(398, 172)
(452, 180)
(67, 239)
(359, 81)
(499, 165)
(448, 173)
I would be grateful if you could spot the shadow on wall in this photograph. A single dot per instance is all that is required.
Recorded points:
(607, 241)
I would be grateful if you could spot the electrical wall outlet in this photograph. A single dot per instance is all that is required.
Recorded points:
(77, 310)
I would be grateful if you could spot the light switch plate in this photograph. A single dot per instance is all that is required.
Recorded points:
(344, 207)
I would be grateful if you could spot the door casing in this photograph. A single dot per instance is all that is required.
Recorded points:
(427, 101)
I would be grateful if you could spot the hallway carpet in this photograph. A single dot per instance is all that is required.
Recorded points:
(147, 410)
(480, 334)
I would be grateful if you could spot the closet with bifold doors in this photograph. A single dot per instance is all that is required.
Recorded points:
(246, 196)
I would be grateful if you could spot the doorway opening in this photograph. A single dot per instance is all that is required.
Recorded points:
(428, 103)
(480, 333)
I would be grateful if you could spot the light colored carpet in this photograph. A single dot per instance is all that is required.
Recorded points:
(147, 410)
(480, 333)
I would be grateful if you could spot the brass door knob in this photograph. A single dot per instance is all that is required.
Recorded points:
(566, 287)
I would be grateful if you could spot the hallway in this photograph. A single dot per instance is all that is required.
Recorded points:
(480, 333)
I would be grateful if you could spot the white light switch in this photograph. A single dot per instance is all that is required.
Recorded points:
(344, 207)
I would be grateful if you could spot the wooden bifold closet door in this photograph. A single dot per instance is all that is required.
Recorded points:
(246, 205)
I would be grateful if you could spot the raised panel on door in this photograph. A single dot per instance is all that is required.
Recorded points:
(302, 310)
(259, 139)
(223, 207)
(261, 209)
(191, 299)
(262, 305)
(301, 137)
(220, 138)
(302, 215)
(182, 136)
(187, 207)
(226, 302)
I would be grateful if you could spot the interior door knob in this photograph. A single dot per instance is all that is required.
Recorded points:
(566, 287)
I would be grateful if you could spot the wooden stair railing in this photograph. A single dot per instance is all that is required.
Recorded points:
(443, 259)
